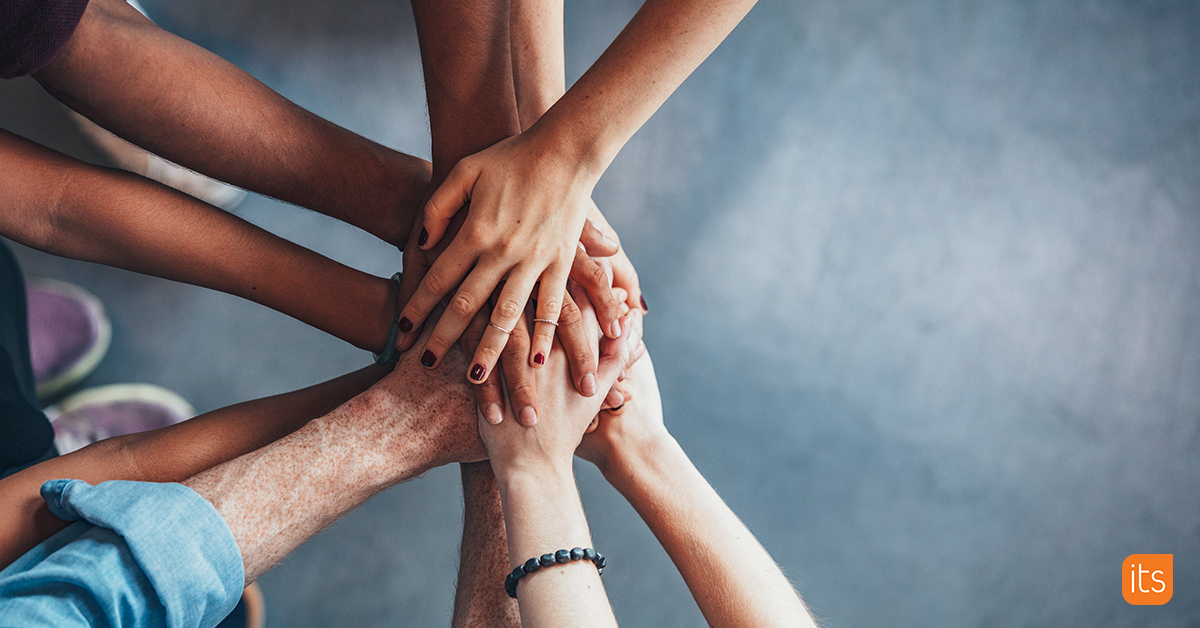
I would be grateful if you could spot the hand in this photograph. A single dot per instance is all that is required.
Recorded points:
(617, 265)
(527, 209)
(553, 440)
(635, 426)
(446, 426)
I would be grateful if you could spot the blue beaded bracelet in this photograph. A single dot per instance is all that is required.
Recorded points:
(546, 560)
(389, 350)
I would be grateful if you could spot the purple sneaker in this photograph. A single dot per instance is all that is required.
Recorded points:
(68, 334)
(106, 411)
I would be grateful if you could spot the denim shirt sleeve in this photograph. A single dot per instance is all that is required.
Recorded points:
(139, 554)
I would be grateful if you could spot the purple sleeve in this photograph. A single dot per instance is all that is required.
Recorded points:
(33, 31)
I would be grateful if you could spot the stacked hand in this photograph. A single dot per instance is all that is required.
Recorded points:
(524, 226)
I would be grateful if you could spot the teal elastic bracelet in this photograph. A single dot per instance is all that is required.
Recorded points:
(389, 350)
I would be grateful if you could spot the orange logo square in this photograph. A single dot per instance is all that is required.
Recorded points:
(1147, 578)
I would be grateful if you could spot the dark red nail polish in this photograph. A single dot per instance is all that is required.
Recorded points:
(428, 358)
(424, 237)
(477, 372)
(405, 325)
(643, 300)
(540, 358)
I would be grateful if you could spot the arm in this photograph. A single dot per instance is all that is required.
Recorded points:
(542, 510)
(63, 206)
(530, 194)
(170, 454)
(733, 579)
(479, 601)
(279, 496)
(180, 101)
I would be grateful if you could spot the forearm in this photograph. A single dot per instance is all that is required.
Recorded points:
(543, 514)
(733, 579)
(279, 496)
(466, 57)
(664, 42)
(170, 454)
(479, 600)
(539, 70)
(63, 206)
(182, 102)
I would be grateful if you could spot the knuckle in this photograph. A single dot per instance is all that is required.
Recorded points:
(508, 309)
(523, 391)
(487, 354)
(462, 305)
(570, 316)
(433, 284)
(549, 307)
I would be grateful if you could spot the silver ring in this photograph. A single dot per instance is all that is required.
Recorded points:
(545, 320)
(506, 331)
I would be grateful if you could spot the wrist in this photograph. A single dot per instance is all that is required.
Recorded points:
(559, 141)
(635, 459)
(532, 476)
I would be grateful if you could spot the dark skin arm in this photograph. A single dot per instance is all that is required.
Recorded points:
(63, 206)
(184, 103)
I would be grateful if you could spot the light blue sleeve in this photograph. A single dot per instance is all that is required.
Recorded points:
(139, 554)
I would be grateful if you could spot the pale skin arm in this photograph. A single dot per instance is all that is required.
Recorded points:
(530, 194)
(170, 454)
(63, 206)
(539, 76)
(732, 577)
(279, 496)
(542, 510)
(184, 103)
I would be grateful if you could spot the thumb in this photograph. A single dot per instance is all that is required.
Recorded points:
(450, 197)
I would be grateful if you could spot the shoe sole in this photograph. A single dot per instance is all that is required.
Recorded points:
(115, 393)
(90, 360)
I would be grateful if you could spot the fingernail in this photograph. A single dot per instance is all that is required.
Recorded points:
(424, 237)
(493, 414)
(615, 329)
(589, 385)
(427, 358)
(643, 300)
(540, 358)
(622, 377)
(477, 372)
(405, 324)
(609, 242)
(528, 416)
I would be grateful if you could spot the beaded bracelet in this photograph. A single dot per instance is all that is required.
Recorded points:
(389, 350)
(560, 557)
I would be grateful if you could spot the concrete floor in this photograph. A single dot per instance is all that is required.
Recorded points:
(924, 292)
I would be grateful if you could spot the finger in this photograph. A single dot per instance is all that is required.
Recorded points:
(519, 376)
(470, 297)
(595, 242)
(416, 266)
(489, 395)
(615, 355)
(592, 278)
(445, 202)
(549, 306)
(572, 333)
(510, 306)
(439, 279)
(622, 305)
(625, 276)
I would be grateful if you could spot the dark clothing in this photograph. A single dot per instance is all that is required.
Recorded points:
(25, 434)
(33, 31)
